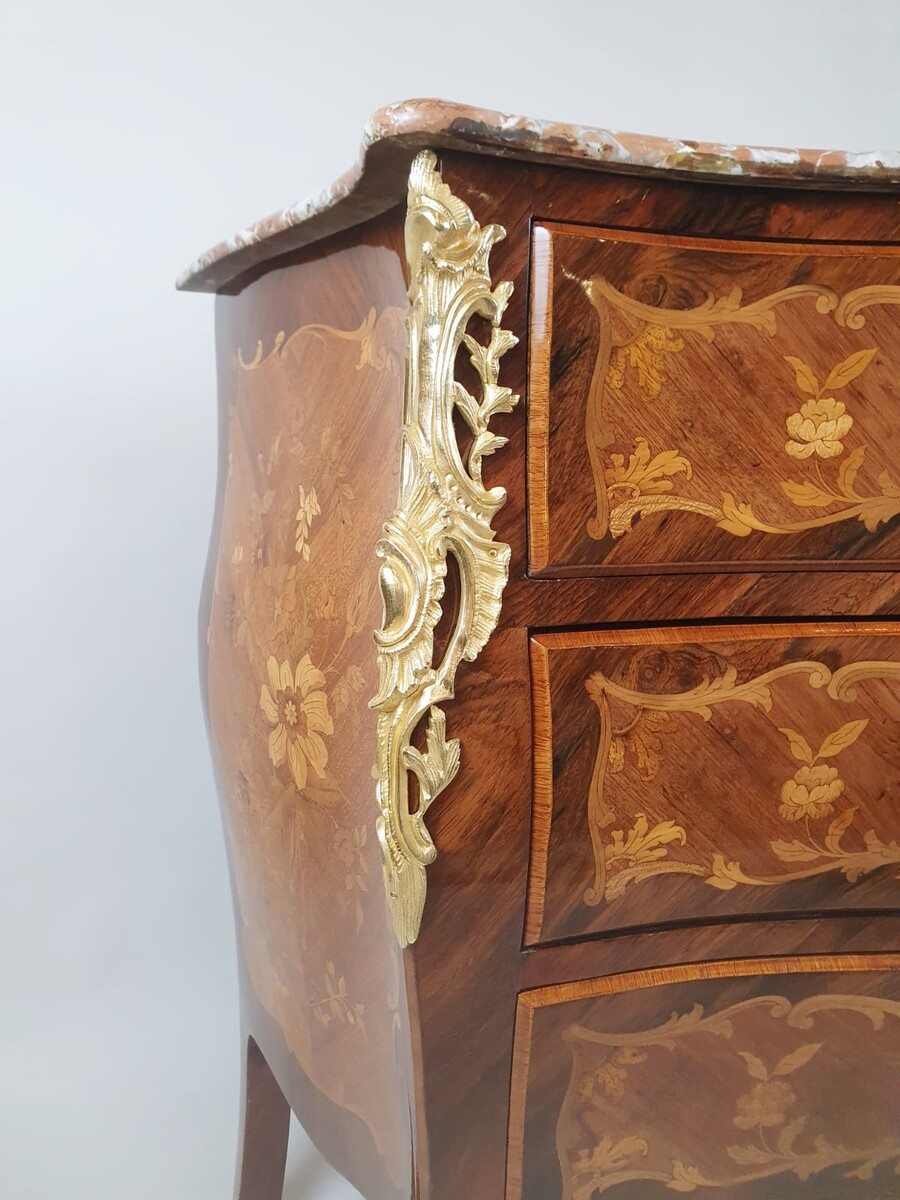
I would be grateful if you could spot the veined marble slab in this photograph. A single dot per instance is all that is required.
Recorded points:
(377, 180)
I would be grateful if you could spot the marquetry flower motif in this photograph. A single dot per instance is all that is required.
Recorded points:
(278, 600)
(260, 507)
(822, 421)
(818, 428)
(375, 346)
(647, 354)
(811, 793)
(765, 1105)
(336, 1004)
(309, 509)
(612, 1075)
(296, 707)
(348, 847)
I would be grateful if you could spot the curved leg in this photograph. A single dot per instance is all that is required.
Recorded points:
(263, 1138)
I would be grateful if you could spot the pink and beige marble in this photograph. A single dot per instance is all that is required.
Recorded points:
(377, 180)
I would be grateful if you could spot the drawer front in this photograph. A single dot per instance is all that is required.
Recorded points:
(700, 774)
(742, 1080)
(700, 404)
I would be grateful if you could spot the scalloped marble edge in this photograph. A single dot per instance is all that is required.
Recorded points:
(395, 133)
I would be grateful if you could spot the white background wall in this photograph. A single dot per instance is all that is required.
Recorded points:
(132, 136)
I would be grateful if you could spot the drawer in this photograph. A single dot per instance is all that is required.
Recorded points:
(743, 1080)
(708, 404)
(701, 774)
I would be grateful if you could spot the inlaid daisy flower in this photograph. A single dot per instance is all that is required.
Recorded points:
(296, 707)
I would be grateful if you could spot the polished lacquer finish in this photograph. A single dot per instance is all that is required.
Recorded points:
(569, 864)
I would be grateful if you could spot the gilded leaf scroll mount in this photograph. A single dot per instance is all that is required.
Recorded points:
(443, 509)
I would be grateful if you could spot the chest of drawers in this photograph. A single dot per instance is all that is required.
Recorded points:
(598, 435)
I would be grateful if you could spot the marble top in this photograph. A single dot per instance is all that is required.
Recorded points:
(377, 180)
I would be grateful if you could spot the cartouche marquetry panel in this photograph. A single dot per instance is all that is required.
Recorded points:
(706, 773)
(699, 403)
(743, 1080)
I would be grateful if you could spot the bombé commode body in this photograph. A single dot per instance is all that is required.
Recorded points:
(559, 492)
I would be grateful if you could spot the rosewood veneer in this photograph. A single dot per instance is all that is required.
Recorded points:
(583, 876)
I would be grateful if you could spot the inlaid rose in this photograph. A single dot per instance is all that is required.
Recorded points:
(765, 1105)
(811, 793)
(818, 428)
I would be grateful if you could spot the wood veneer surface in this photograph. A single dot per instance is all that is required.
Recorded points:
(401, 1065)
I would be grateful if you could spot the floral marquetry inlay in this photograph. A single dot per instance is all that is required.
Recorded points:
(778, 1087)
(648, 485)
(707, 401)
(810, 794)
(296, 706)
(290, 669)
(698, 773)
